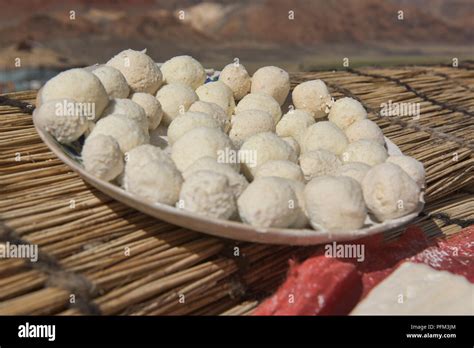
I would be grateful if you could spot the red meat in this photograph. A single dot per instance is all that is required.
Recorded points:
(330, 286)
(455, 254)
(316, 287)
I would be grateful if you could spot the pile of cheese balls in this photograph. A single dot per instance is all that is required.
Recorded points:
(225, 150)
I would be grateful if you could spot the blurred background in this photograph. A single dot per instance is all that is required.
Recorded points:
(39, 38)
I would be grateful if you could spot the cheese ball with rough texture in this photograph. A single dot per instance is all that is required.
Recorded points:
(185, 70)
(261, 148)
(346, 111)
(218, 93)
(273, 81)
(190, 120)
(152, 107)
(335, 204)
(259, 101)
(237, 182)
(141, 155)
(250, 122)
(175, 99)
(145, 153)
(268, 202)
(365, 129)
(302, 219)
(202, 142)
(209, 194)
(324, 135)
(56, 119)
(101, 157)
(312, 96)
(365, 151)
(237, 78)
(113, 81)
(140, 71)
(294, 124)
(293, 144)
(126, 131)
(215, 111)
(128, 108)
(389, 192)
(354, 170)
(281, 169)
(411, 166)
(154, 181)
(79, 85)
(318, 163)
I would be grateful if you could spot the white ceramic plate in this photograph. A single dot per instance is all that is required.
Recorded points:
(70, 155)
(221, 228)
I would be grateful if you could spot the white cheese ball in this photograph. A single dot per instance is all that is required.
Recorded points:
(155, 181)
(207, 193)
(152, 107)
(261, 148)
(346, 111)
(218, 93)
(293, 144)
(281, 169)
(259, 101)
(335, 203)
(411, 166)
(365, 129)
(324, 135)
(318, 163)
(273, 81)
(101, 156)
(354, 170)
(140, 71)
(175, 99)
(250, 122)
(215, 111)
(269, 202)
(126, 131)
(143, 154)
(190, 120)
(55, 118)
(365, 151)
(312, 96)
(79, 85)
(202, 142)
(237, 78)
(302, 219)
(185, 70)
(294, 124)
(113, 81)
(128, 108)
(389, 192)
(237, 182)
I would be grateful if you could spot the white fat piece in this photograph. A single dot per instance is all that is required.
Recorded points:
(418, 289)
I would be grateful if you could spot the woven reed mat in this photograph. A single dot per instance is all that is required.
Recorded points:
(97, 256)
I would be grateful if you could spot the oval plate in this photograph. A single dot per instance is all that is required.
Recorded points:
(221, 228)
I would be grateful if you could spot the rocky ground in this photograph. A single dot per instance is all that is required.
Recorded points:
(298, 35)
